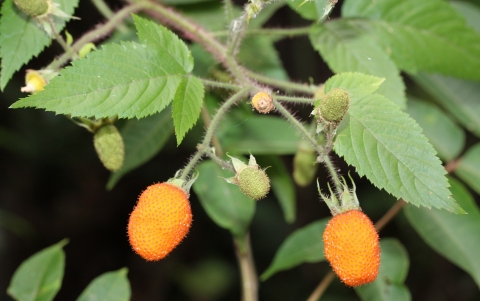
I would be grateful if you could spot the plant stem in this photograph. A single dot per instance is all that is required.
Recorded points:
(322, 286)
(282, 84)
(204, 147)
(218, 84)
(295, 99)
(60, 39)
(289, 32)
(103, 8)
(387, 217)
(243, 250)
(97, 33)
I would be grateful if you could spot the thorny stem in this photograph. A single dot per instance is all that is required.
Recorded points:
(282, 84)
(218, 84)
(295, 99)
(290, 32)
(320, 150)
(243, 251)
(204, 147)
(105, 10)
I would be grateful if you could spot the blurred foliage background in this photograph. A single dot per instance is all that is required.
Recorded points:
(52, 186)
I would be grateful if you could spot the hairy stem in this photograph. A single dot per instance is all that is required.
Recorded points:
(60, 39)
(204, 147)
(282, 84)
(289, 32)
(217, 84)
(105, 10)
(295, 99)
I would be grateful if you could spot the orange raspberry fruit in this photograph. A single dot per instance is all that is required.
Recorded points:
(351, 247)
(160, 221)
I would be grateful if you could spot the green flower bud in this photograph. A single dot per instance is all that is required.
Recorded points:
(109, 146)
(33, 8)
(334, 106)
(253, 182)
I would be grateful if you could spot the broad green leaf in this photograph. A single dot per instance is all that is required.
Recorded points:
(282, 184)
(172, 51)
(354, 82)
(426, 35)
(110, 286)
(224, 203)
(21, 38)
(187, 104)
(453, 236)
(143, 139)
(447, 138)
(128, 80)
(459, 97)
(387, 146)
(303, 245)
(258, 135)
(468, 168)
(310, 10)
(470, 12)
(388, 286)
(345, 49)
(39, 278)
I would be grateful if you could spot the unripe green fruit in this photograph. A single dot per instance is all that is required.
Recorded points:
(253, 182)
(109, 146)
(334, 105)
(33, 8)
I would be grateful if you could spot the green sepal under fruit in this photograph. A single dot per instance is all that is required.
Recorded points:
(348, 198)
(33, 8)
(333, 107)
(251, 179)
(109, 145)
(184, 184)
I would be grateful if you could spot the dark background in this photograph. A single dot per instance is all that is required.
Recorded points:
(52, 186)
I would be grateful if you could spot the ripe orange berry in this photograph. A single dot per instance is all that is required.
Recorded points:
(160, 221)
(351, 247)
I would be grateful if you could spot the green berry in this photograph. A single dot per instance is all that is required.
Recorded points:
(334, 105)
(109, 146)
(253, 182)
(33, 8)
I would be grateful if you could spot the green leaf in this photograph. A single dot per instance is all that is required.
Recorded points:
(459, 97)
(354, 82)
(187, 104)
(389, 285)
(303, 245)
(21, 38)
(424, 35)
(345, 48)
(453, 236)
(128, 80)
(172, 51)
(143, 139)
(387, 146)
(39, 278)
(110, 286)
(282, 184)
(258, 135)
(447, 138)
(468, 168)
(224, 203)
(259, 54)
